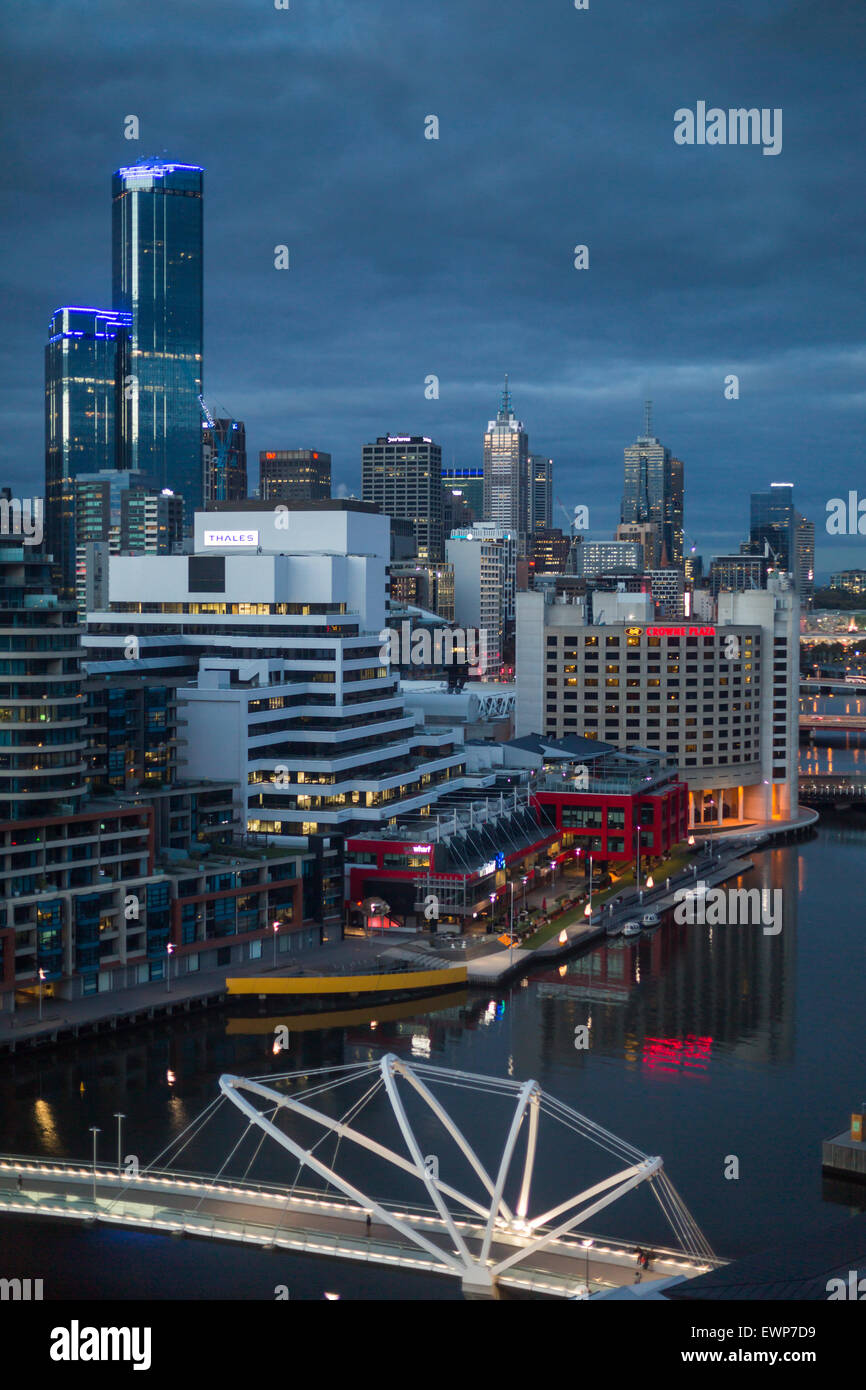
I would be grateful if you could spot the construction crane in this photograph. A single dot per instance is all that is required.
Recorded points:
(223, 448)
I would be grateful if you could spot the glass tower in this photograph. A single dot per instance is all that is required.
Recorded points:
(157, 279)
(772, 525)
(506, 471)
(85, 363)
(653, 490)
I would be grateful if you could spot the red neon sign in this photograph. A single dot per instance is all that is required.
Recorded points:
(681, 632)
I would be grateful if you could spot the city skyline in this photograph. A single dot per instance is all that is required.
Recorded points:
(725, 295)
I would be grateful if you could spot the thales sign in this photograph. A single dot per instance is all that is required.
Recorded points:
(231, 537)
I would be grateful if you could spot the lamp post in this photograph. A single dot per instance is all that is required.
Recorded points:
(94, 1130)
(168, 950)
(492, 911)
(276, 927)
(511, 927)
(41, 978)
(120, 1117)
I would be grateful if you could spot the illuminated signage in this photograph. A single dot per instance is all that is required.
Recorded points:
(681, 632)
(421, 849)
(488, 868)
(231, 537)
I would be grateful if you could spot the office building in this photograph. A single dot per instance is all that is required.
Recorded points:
(737, 573)
(402, 475)
(275, 622)
(646, 534)
(653, 490)
(550, 551)
(157, 279)
(804, 570)
(506, 472)
(151, 523)
(294, 475)
(468, 485)
(485, 575)
(85, 366)
(772, 526)
(730, 721)
(540, 493)
(224, 461)
(431, 587)
(849, 581)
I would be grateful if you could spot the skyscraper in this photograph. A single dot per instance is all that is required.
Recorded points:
(402, 474)
(772, 525)
(85, 361)
(506, 471)
(157, 278)
(653, 490)
(804, 574)
(540, 491)
(299, 475)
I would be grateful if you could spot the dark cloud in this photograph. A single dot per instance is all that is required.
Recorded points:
(454, 257)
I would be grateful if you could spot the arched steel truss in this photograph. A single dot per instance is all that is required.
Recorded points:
(494, 1217)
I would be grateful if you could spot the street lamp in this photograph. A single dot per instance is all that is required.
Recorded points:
(276, 927)
(41, 978)
(511, 927)
(586, 1246)
(120, 1117)
(168, 950)
(94, 1130)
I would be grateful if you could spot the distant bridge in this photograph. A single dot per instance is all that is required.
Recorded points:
(841, 791)
(490, 1240)
(833, 722)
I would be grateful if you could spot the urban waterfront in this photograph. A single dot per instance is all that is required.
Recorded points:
(706, 1042)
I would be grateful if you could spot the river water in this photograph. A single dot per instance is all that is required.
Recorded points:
(720, 1048)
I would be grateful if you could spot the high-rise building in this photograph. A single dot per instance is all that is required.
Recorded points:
(737, 573)
(157, 278)
(402, 475)
(98, 532)
(506, 471)
(550, 550)
(540, 493)
(653, 490)
(485, 579)
(224, 461)
(468, 483)
(279, 627)
(42, 771)
(151, 523)
(772, 525)
(804, 571)
(646, 533)
(728, 712)
(85, 366)
(294, 475)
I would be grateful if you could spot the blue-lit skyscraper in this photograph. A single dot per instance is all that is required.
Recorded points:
(157, 279)
(85, 364)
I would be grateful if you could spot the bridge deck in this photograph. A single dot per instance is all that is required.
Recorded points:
(306, 1221)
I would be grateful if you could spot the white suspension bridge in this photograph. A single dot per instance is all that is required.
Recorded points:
(493, 1236)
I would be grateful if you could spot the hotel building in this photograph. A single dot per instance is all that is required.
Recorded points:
(720, 698)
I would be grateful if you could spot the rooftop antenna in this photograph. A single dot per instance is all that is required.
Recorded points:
(648, 419)
(505, 406)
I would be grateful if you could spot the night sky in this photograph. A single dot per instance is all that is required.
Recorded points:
(455, 257)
